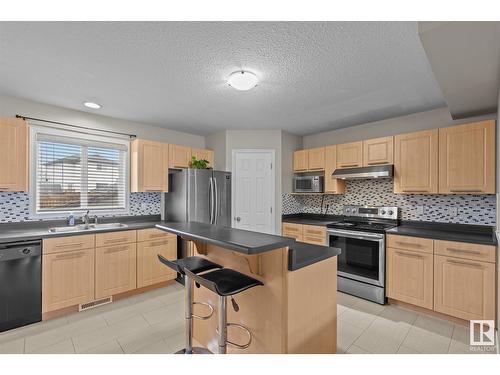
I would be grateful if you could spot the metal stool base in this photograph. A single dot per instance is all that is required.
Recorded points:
(196, 350)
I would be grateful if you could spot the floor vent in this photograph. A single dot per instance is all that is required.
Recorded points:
(91, 305)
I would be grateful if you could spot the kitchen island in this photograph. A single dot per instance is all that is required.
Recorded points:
(296, 309)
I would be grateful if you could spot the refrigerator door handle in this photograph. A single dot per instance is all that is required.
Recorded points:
(210, 200)
(216, 202)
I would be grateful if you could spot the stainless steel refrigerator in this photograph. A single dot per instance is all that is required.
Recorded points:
(201, 195)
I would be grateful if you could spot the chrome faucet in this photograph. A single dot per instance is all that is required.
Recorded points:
(86, 218)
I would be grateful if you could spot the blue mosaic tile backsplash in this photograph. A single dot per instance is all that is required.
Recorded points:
(470, 209)
(14, 207)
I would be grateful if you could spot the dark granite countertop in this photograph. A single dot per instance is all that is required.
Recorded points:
(40, 229)
(478, 234)
(242, 241)
(311, 219)
(302, 254)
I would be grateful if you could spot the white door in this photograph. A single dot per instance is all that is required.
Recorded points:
(253, 190)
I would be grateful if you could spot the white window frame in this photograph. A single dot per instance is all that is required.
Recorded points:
(33, 173)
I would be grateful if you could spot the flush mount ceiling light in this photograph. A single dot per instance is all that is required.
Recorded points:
(92, 105)
(242, 80)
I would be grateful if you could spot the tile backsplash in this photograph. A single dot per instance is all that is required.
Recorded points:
(14, 207)
(460, 209)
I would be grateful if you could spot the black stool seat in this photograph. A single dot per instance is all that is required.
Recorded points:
(193, 264)
(225, 282)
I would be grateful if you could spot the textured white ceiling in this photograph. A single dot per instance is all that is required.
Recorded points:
(313, 76)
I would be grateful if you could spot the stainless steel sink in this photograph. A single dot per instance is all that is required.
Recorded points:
(86, 227)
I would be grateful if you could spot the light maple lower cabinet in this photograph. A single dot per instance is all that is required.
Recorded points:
(115, 269)
(149, 269)
(313, 234)
(67, 279)
(464, 288)
(410, 277)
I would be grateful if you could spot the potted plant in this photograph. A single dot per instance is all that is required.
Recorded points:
(198, 164)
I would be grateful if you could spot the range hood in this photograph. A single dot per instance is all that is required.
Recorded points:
(379, 171)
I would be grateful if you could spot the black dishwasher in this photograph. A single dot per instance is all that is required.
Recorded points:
(20, 284)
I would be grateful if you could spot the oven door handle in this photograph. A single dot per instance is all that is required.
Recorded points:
(357, 235)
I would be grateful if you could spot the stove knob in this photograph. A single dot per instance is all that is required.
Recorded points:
(390, 212)
(382, 212)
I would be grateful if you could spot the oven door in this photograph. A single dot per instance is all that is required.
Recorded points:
(362, 257)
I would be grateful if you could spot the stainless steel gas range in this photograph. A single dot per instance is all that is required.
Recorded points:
(361, 237)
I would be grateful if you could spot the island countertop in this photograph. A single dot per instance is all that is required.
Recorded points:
(239, 240)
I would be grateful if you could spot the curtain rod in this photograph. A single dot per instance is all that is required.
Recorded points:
(74, 126)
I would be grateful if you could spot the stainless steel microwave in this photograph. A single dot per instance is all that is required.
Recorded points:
(308, 184)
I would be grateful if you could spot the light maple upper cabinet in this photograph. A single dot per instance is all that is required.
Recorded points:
(300, 160)
(149, 166)
(464, 288)
(316, 159)
(416, 162)
(378, 151)
(13, 154)
(467, 158)
(350, 155)
(179, 156)
(332, 185)
(205, 154)
(149, 269)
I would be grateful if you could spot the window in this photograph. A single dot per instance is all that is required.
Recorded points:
(72, 172)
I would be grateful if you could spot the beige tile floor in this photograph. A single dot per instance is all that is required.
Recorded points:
(152, 323)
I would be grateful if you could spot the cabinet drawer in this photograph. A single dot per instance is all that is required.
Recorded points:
(68, 243)
(424, 245)
(115, 238)
(314, 231)
(292, 228)
(465, 250)
(314, 240)
(152, 234)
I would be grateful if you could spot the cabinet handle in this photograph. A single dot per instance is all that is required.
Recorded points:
(349, 165)
(70, 244)
(157, 235)
(452, 249)
(376, 162)
(475, 265)
(4, 188)
(410, 254)
(415, 191)
(70, 255)
(152, 190)
(465, 191)
(116, 249)
(115, 240)
(409, 244)
(160, 243)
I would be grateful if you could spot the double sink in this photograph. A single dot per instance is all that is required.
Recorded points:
(86, 227)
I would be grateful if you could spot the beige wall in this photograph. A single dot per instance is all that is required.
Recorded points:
(10, 106)
(217, 142)
(289, 144)
(436, 118)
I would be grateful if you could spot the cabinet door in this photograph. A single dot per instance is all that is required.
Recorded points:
(179, 156)
(467, 158)
(464, 288)
(67, 279)
(115, 269)
(350, 155)
(378, 151)
(13, 155)
(332, 185)
(149, 269)
(201, 154)
(416, 162)
(316, 159)
(410, 277)
(292, 230)
(300, 160)
(149, 166)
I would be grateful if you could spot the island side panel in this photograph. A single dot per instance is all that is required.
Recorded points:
(312, 308)
(261, 309)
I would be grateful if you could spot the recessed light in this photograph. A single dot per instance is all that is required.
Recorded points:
(92, 105)
(242, 80)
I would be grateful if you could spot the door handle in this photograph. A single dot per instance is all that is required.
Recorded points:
(237, 218)
(211, 200)
(216, 202)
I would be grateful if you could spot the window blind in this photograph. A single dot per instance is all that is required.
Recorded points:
(79, 174)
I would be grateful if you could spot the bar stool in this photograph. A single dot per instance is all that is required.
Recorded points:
(225, 283)
(193, 265)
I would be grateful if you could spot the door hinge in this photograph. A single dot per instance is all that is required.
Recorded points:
(271, 165)
(271, 209)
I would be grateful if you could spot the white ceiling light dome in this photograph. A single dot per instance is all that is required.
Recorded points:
(92, 105)
(243, 80)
